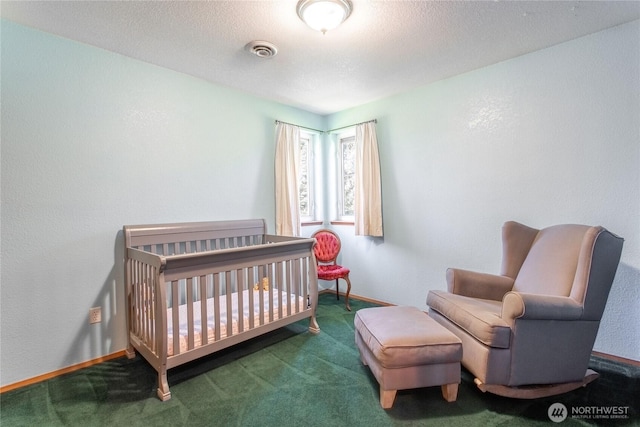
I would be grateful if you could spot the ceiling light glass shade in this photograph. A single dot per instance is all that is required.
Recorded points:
(324, 15)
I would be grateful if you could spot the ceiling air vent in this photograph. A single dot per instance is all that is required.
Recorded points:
(261, 48)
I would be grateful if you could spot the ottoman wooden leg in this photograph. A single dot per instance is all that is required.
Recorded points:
(450, 392)
(387, 397)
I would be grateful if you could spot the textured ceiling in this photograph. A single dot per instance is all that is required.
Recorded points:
(385, 47)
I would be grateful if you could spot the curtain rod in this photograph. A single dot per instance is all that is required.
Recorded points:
(327, 131)
(348, 126)
(303, 127)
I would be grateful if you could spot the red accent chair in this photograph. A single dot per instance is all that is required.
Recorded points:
(326, 250)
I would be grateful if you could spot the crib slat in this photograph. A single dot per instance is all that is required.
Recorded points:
(251, 277)
(240, 281)
(139, 289)
(293, 295)
(204, 324)
(143, 292)
(306, 274)
(289, 285)
(229, 295)
(270, 295)
(216, 304)
(150, 302)
(190, 326)
(261, 294)
(135, 297)
(294, 285)
(298, 283)
(144, 298)
(175, 318)
(279, 282)
(130, 282)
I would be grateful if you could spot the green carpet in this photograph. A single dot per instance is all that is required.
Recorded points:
(292, 378)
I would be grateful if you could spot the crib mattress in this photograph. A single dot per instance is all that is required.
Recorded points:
(288, 304)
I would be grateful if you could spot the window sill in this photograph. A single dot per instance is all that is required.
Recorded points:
(316, 223)
(342, 223)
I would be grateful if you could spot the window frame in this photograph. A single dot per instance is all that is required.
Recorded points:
(343, 138)
(310, 138)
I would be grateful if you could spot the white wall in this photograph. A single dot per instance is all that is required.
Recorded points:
(546, 138)
(92, 141)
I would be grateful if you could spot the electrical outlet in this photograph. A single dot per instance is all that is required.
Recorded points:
(95, 315)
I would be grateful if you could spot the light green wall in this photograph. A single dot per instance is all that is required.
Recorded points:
(546, 138)
(91, 141)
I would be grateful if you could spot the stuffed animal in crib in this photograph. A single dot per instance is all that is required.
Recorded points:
(265, 284)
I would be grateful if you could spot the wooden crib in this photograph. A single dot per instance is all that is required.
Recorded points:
(196, 288)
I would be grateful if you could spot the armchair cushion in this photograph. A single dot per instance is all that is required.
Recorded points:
(550, 266)
(478, 285)
(478, 317)
(517, 305)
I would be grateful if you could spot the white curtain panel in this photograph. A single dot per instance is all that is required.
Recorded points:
(287, 198)
(368, 191)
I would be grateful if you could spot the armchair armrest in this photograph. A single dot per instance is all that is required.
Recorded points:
(478, 285)
(517, 305)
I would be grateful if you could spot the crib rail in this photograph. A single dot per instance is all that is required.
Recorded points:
(191, 293)
(179, 238)
(196, 288)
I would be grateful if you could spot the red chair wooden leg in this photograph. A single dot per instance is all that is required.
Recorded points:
(337, 291)
(346, 278)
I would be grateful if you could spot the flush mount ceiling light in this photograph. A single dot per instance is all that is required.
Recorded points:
(323, 15)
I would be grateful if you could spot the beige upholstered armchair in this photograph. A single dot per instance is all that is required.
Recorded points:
(529, 331)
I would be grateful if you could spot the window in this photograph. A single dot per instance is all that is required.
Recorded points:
(346, 175)
(305, 177)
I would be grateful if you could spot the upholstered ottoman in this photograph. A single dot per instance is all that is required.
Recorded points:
(405, 348)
